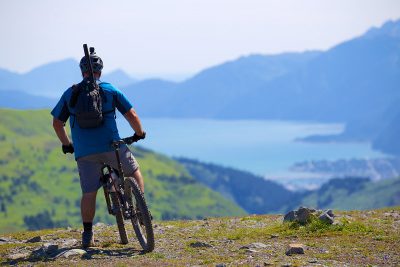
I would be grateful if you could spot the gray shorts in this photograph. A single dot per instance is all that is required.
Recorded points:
(89, 167)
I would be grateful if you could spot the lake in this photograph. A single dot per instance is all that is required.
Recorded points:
(266, 148)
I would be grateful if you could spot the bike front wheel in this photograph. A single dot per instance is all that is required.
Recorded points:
(141, 219)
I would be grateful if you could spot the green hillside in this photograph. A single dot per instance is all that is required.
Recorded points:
(253, 193)
(39, 186)
(354, 194)
(259, 196)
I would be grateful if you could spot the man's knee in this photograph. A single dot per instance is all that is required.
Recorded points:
(89, 195)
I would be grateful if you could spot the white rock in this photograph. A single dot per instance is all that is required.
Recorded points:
(71, 253)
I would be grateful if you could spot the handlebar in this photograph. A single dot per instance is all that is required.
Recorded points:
(128, 140)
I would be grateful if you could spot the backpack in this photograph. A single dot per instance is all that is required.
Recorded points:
(88, 104)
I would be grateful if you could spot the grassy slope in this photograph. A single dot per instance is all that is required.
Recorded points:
(36, 177)
(358, 238)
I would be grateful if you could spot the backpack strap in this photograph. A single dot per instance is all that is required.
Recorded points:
(74, 96)
(104, 99)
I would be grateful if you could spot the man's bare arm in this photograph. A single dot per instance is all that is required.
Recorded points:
(134, 121)
(61, 132)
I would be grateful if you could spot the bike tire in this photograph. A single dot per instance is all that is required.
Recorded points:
(144, 231)
(119, 217)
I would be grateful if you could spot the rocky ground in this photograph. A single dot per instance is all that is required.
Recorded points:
(357, 238)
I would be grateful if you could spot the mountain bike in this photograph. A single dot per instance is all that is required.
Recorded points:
(125, 200)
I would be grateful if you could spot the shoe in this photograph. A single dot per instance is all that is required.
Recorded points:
(87, 239)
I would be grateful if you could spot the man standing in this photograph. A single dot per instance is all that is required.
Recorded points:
(92, 145)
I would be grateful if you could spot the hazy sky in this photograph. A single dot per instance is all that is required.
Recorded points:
(169, 37)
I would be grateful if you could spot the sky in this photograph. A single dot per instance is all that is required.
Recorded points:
(177, 38)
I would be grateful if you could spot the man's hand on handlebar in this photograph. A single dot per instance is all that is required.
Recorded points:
(137, 137)
(134, 138)
(68, 149)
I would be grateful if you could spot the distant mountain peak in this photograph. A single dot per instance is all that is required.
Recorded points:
(119, 78)
(390, 28)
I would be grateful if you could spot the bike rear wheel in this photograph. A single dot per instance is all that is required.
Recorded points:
(117, 210)
(141, 219)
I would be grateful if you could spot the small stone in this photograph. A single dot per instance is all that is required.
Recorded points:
(200, 245)
(71, 253)
(312, 261)
(295, 249)
(290, 216)
(35, 239)
(274, 236)
(18, 256)
(220, 265)
(266, 263)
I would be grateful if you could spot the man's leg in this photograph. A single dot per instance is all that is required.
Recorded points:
(139, 179)
(88, 209)
(88, 206)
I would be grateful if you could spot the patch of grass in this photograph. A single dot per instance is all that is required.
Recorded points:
(314, 228)
(30, 234)
(156, 255)
(317, 227)
(251, 218)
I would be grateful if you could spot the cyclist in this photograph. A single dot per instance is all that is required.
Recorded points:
(92, 146)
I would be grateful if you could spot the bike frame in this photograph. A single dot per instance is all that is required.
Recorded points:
(118, 185)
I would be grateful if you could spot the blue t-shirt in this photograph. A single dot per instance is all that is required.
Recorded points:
(94, 140)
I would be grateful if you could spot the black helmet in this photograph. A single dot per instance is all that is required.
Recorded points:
(97, 63)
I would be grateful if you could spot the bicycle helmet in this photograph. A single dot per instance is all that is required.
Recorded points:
(97, 63)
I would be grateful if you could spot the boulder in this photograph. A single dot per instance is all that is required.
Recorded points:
(303, 215)
(290, 216)
(295, 249)
(330, 213)
(325, 217)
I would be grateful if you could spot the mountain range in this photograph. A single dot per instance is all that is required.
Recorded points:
(355, 82)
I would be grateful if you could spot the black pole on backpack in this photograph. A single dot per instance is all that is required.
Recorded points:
(87, 56)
